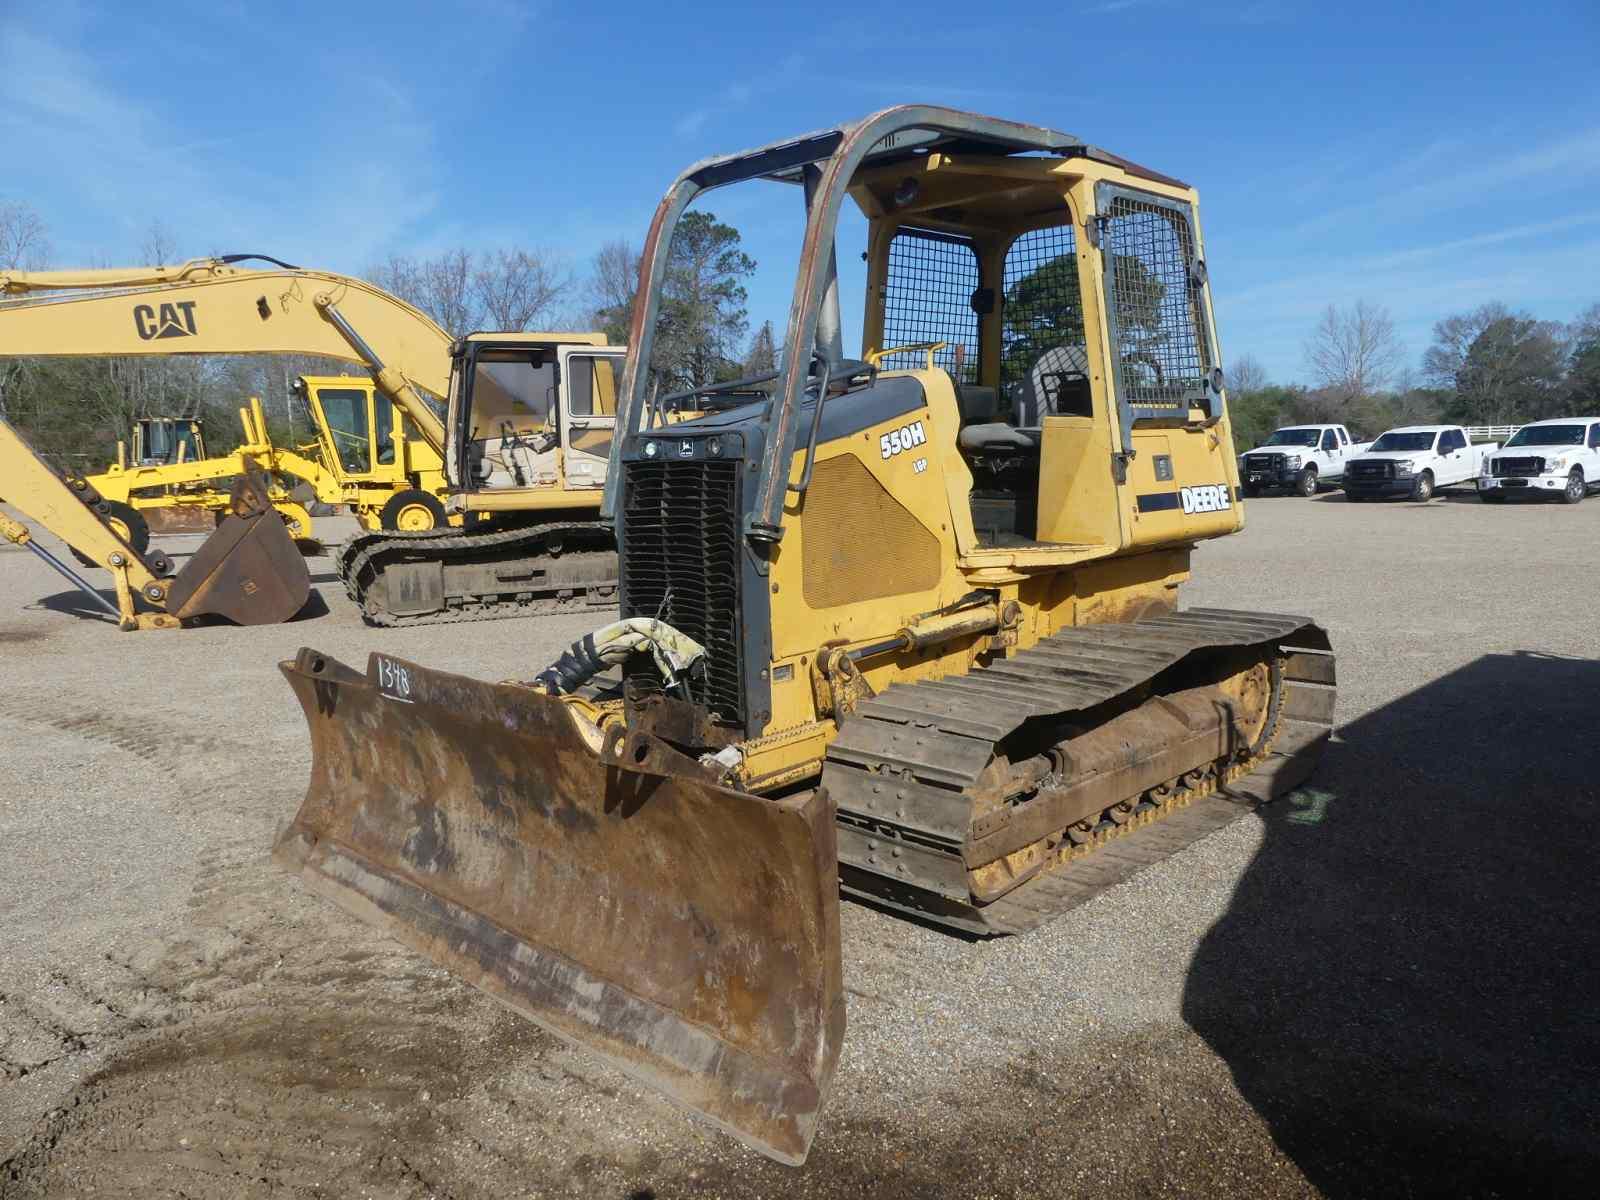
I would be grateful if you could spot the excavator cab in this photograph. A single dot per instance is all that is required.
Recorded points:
(531, 413)
(903, 624)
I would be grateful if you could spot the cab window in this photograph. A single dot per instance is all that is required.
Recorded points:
(1594, 437)
(591, 386)
(512, 391)
(383, 426)
(1329, 442)
(346, 413)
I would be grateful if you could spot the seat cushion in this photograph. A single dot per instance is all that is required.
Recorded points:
(997, 435)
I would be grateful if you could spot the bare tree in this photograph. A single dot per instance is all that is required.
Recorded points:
(1245, 375)
(440, 287)
(23, 246)
(613, 284)
(1452, 339)
(23, 242)
(515, 289)
(1353, 352)
(462, 291)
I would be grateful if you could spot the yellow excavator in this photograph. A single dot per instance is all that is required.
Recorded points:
(904, 626)
(525, 449)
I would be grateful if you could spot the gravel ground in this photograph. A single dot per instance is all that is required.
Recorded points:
(1385, 984)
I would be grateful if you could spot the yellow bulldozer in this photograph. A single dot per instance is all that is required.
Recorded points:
(525, 455)
(904, 626)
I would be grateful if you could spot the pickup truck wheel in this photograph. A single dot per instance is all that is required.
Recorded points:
(1576, 487)
(1423, 488)
(1306, 485)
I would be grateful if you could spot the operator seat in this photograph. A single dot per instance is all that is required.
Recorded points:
(1056, 384)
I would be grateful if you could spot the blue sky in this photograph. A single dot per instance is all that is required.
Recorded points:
(1428, 157)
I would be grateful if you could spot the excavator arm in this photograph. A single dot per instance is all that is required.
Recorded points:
(249, 571)
(214, 306)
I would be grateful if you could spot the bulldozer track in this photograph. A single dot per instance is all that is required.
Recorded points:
(902, 764)
(362, 560)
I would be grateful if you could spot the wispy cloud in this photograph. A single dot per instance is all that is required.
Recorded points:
(130, 162)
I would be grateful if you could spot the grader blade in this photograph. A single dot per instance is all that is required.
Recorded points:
(249, 570)
(686, 933)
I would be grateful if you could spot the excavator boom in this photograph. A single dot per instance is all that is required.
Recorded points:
(212, 306)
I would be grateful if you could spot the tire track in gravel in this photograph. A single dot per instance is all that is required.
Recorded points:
(138, 737)
(269, 1046)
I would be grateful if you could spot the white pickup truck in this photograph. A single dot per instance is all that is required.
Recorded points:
(1558, 457)
(1298, 458)
(1415, 461)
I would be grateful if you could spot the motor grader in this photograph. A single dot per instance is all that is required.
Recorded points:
(525, 447)
(366, 457)
(903, 626)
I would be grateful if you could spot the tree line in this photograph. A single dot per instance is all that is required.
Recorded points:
(1491, 365)
(1487, 366)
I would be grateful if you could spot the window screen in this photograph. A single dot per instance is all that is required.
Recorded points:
(1043, 303)
(927, 297)
(1163, 353)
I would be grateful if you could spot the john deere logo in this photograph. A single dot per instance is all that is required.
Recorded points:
(164, 321)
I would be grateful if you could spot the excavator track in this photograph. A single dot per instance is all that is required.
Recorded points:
(447, 575)
(908, 768)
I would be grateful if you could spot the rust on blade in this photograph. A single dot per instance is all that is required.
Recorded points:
(249, 570)
(685, 932)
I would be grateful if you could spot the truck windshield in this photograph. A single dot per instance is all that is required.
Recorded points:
(1294, 437)
(1404, 441)
(1547, 435)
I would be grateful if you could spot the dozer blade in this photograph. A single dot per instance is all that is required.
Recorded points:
(249, 570)
(686, 933)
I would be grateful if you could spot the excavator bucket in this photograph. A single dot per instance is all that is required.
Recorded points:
(249, 570)
(613, 893)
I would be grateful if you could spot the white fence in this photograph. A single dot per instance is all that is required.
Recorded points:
(1491, 433)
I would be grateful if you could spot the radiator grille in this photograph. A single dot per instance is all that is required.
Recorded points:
(1519, 466)
(859, 542)
(1263, 462)
(1158, 303)
(680, 562)
(1381, 469)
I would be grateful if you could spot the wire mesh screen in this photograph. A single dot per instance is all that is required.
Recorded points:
(1043, 303)
(927, 297)
(1163, 354)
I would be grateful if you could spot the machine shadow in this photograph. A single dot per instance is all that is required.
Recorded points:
(1406, 981)
(74, 603)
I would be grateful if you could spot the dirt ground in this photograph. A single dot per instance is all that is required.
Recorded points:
(1384, 985)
